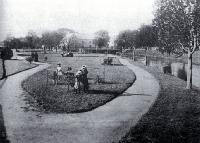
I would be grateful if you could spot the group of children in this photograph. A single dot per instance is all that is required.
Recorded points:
(80, 78)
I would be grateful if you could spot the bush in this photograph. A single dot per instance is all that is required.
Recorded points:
(29, 59)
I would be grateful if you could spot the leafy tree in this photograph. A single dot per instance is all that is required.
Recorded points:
(7, 42)
(101, 39)
(74, 43)
(71, 42)
(178, 27)
(46, 39)
(126, 39)
(15, 43)
(146, 36)
(52, 39)
(32, 40)
(6, 54)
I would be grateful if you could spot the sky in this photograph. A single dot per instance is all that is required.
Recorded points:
(17, 17)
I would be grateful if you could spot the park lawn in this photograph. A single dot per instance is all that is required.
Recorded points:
(15, 66)
(45, 96)
(174, 117)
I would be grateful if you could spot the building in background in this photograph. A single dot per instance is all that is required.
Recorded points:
(77, 42)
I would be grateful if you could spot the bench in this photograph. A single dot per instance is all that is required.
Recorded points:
(108, 61)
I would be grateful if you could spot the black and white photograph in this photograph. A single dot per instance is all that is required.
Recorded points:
(99, 71)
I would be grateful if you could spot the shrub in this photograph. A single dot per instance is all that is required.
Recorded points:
(29, 59)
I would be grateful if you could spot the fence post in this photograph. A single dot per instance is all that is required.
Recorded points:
(47, 77)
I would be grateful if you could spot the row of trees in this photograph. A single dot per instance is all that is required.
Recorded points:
(175, 29)
(52, 39)
(145, 36)
(32, 41)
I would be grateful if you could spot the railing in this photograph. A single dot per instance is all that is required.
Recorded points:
(67, 78)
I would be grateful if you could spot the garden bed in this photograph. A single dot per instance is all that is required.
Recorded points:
(45, 96)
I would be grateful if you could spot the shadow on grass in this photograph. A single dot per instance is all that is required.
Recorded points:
(86, 56)
(137, 94)
(112, 64)
(3, 136)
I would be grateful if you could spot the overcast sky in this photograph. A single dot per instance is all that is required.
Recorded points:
(17, 17)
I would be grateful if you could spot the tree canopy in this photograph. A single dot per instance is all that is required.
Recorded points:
(126, 39)
(52, 38)
(32, 40)
(177, 22)
(6, 53)
(146, 36)
(102, 38)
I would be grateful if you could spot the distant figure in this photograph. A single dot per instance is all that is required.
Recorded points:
(55, 77)
(45, 58)
(59, 71)
(36, 57)
(33, 56)
(69, 68)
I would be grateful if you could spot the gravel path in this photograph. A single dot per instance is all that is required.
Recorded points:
(105, 124)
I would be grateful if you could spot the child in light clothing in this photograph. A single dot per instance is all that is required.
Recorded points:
(77, 82)
(59, 71)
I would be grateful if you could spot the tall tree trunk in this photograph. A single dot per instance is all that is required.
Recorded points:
(189, 71)
(4, 68)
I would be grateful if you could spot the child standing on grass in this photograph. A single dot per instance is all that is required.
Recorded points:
(59, 71)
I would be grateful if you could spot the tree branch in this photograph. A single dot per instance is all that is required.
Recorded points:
(194, 49)
(182, 47)
(195, 44)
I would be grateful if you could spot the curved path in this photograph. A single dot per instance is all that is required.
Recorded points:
(105, 124)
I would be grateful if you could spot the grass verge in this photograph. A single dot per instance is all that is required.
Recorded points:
(15, 66)
(174, 117)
